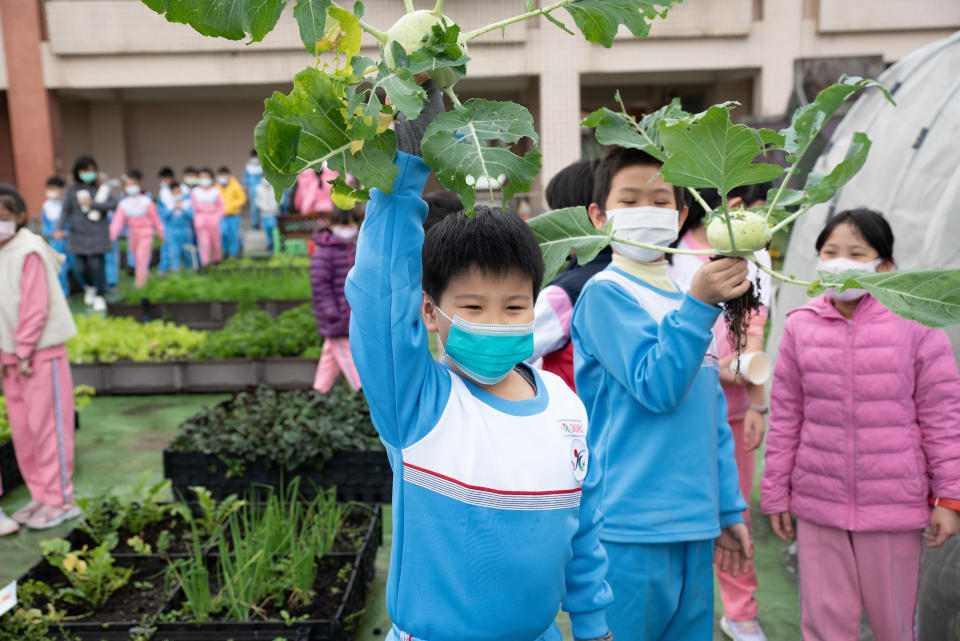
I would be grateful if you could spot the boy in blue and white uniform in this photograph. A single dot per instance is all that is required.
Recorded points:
(52, 211)
(646, 367)
(252, 177)
(176, 212)
(489, 457)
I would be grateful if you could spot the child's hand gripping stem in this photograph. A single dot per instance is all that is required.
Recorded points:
(720, 280)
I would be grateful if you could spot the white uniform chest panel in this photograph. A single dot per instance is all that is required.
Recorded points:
(136, 206)
(479, 455)
(655, 304)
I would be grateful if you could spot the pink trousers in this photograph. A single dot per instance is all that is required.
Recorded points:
(335, 358)
(736, 592)
(843, 572)
(209, 243)
(40, 409)
(142, 242)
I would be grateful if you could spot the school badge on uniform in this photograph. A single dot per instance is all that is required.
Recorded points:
(578, 459)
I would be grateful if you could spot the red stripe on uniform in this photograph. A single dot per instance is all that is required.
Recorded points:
(488, 489)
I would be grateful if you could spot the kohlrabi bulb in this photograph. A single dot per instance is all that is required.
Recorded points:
(410, 32)
(750, 231)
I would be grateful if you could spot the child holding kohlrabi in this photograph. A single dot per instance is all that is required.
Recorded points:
(863, 439)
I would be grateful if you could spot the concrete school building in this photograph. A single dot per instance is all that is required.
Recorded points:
(114, 79)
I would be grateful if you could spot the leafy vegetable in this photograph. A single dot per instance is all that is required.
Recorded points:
(92, 574)
(224, 284)
(560, 231)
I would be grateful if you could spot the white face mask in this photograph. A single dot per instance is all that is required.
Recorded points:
(132, 190)
(8, 230)
(223, 180)
(204, 182)
(53, 194)
(840, 265)
(648, 225)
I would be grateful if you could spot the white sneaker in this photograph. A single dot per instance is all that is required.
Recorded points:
(52, 515)
(7, 525)
(742, 630)
(23, 514)
(89, 293)
(99, 304)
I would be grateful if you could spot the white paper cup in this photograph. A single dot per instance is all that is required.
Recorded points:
(754, 366)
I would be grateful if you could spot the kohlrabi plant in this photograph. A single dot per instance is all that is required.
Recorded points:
(341, 107)
(707, 150)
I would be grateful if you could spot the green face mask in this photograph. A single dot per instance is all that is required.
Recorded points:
(88, 177)
(486, 353)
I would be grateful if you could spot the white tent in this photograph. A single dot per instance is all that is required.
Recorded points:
(912, 173)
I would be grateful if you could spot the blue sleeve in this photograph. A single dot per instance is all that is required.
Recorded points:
(732, 501)
(588, 594)
(655, 363)
(406, 389)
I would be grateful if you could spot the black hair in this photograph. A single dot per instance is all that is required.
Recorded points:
(253, 152)
(619, 158)
(344, 217)
(135, 174)
(223, 169)
(82, 162)
(441, 204)
(869, 224)
(190, 169)
(55, 181)
(165, 172)
(572, 186)
(11, 199)
(492, 240)
(206, 170)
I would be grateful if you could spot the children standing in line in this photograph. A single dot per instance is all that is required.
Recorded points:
(571, 187)
(746, 402)
(268, 209)
(35, 324)
(333, 256)
(207, 213)
(646, 367)
(862, 433)
(234, 199)
(139, 214)
(252, 177)
(176, 212)
(489, 533)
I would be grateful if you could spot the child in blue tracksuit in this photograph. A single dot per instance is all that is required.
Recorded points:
(52, 210)
(489, 455)
(265, 200)
(176, 213)
(253, 176)
(646, 369)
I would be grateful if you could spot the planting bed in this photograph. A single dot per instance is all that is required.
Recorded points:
(200, 315)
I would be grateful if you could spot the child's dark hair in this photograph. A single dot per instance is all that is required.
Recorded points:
(190, 169)
(223, 169)
(206, 170)
(869, 224)
(55, 181)
(441, 204)
(253, 153)
(135, 174)
(343, 217)
(11, 200)
(165, 172)
(81, 163)
(573, 185)
(619, 158)
(492, 240)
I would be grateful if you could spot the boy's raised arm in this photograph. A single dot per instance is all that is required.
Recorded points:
(406, 389)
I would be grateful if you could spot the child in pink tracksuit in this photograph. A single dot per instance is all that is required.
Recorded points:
(863, 438)
(35, 324)
(207, 213)
(139, 213)
(332, 259)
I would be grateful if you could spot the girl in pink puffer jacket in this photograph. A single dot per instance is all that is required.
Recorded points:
(864, 433)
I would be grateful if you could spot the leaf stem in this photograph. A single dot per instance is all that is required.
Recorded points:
(409, 5)
(322, 159)
(783, 184)
(453, 96)
(438, 10)
(696, 196)
(667, 250)
(373, 31)
(789, 219)
(470, 35)
(725, 213)
(779, 276)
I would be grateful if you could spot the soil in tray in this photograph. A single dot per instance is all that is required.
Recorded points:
(333, 575)
(179, 538)
(141, 597)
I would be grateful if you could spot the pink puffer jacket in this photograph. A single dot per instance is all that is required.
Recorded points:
(865, 419)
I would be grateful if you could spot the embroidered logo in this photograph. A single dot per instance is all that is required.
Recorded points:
(579, 459)
(572, 428)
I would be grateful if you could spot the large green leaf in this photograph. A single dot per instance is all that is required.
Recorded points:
(404, 91)
(622, 129)
(441, 49)
(456, 146)
(563, 230)
(808, 120)
(931, 298)
(231, 19)
(820, 188)
(310, 126)
(599, 20)
(708, 150)
(311, 16)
